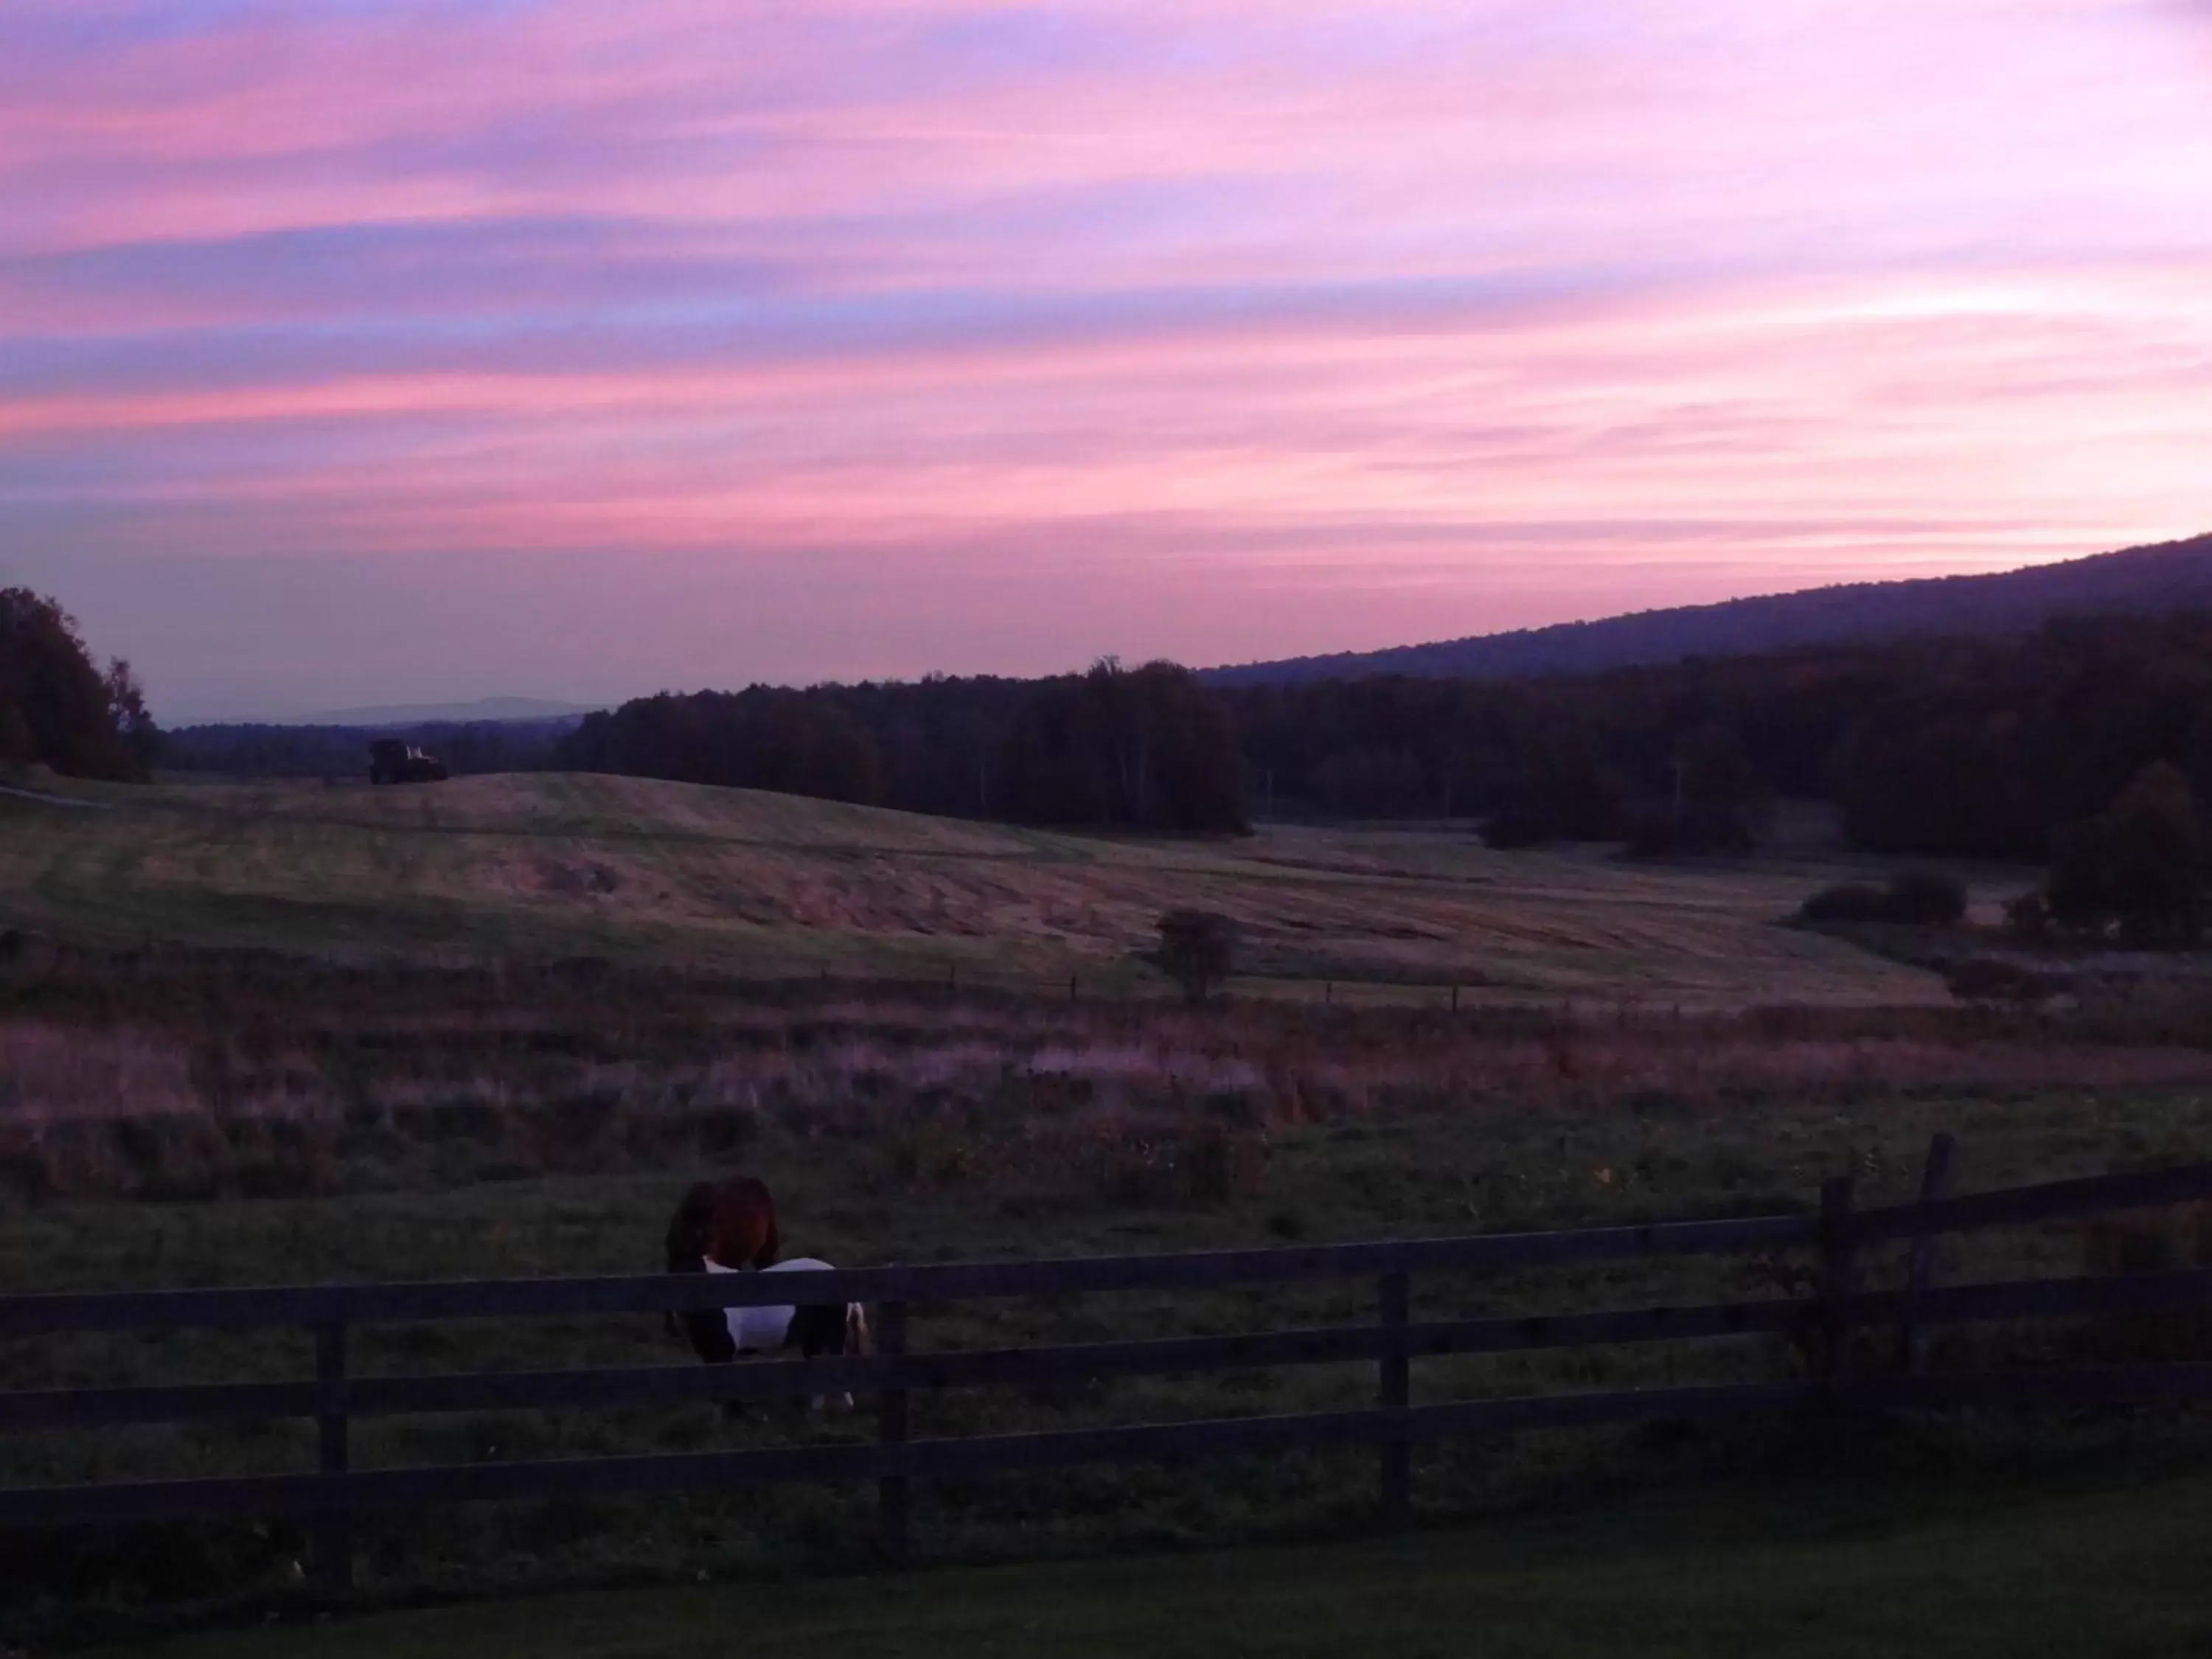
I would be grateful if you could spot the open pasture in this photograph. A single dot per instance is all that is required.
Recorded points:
(540, 867)
(492, 1028)
(321, 1126)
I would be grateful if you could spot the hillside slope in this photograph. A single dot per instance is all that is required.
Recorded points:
(544, 866)
(2170, 576)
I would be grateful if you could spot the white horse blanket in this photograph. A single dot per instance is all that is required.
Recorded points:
(762, 1330)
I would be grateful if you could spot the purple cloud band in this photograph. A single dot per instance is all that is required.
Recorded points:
(903, 334)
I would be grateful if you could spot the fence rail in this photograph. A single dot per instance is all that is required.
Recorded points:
(333, 1398)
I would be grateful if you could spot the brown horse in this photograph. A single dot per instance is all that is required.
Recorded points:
(732, 1225)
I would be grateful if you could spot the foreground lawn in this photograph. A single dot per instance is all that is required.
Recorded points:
(1804, 1573)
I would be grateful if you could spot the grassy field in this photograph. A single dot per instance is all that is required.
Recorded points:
(392, 1164)
(493, 1028)
(1843, 1570)
(538, 867)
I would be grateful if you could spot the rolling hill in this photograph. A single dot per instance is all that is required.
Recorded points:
(547, 865)
(2138, 581)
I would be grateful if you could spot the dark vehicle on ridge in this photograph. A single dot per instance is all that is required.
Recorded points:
(391, 761)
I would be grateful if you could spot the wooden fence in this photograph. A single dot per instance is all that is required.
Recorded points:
(1839, 1235)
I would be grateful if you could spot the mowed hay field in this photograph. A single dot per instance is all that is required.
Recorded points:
(548, 866)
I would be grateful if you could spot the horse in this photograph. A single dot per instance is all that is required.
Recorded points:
(814, 1329)
(731, 1225)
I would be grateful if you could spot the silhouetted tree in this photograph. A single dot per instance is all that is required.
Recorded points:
(57, 708)
(1147, 749)
(2139, 865)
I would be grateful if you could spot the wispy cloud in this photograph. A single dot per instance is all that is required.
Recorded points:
(993, 335)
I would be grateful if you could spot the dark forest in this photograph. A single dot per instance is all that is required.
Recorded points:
(1982, 748)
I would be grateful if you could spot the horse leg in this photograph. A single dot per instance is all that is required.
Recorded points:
(734, 1409)
(852, 1335)
(845, 1338)
(813, 1332)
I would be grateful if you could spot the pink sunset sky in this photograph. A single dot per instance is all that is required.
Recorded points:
(355, 351)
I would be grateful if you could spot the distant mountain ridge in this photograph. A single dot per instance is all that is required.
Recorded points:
(2138, 581)
(437, 714)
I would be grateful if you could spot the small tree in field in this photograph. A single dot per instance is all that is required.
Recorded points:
(1198, 948)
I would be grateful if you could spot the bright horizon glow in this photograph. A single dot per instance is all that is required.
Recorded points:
(378, 352)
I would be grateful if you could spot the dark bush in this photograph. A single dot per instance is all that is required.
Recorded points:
(1198, 949)
(1989, 980)
(1848, 900)
(1927, 898)
(1919, 898)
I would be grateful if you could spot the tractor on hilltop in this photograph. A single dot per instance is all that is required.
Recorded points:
(391, 761)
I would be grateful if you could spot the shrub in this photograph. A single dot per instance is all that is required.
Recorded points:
(1988, 980)
(1198, 948)
(1927, 898)
(1920, 898)
(1849, 901)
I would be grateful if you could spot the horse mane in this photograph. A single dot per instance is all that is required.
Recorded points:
(752, 1194)
(693, 1219)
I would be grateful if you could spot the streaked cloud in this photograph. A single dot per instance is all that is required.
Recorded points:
(877, 336)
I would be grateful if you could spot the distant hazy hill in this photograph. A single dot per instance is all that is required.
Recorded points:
(338, 747)
(444, 713)
(2171, 576)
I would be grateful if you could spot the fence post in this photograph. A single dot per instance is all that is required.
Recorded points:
(891, 1490)
(333, 1525)
(1935, 1187)
(1836, 1273)
(1393, 1393)
(1454, 997)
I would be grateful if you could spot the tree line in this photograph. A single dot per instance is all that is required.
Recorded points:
(1145, 748)
(1981, 748)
